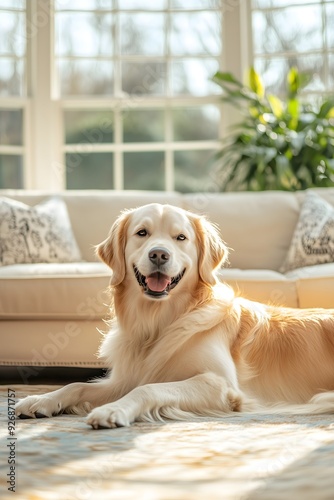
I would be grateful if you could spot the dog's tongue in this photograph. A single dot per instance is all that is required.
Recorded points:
(157, 282)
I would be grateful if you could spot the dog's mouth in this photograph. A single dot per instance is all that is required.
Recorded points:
(157, 284)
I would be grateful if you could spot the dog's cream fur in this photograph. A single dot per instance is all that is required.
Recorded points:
(198, 349)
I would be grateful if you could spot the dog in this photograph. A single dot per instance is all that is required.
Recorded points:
(182, 345)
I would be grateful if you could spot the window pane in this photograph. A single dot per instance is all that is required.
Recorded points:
(206, 119)
(84, 34)
(142, 34)
(330, 24)
(192, 76)
(84, 4)
(85, 77)
(12, 4)
(192, 171)
(144, 171)
(296, 28)
(89, 126)
(331, 70)
(313, 66)
(274, 72)
(12, 33)
(195, 4)
(89, 171)
(11, 172)
(196, 33)
(143, 4)
(144, 78)
(11, 127)
(11, 77)
(143, 125)
(277, 3)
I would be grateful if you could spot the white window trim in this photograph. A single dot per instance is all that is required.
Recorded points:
(45, 121)
(237, 34)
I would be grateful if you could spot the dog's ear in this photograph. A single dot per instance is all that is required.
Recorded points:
(112, 249)
(212, 250)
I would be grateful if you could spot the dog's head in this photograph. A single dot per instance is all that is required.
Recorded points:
(163, 248)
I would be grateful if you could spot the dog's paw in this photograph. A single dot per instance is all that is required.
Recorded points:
(109, 416)
(37, 407)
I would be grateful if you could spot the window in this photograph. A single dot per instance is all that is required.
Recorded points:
(117, 94)
(134, 79)
(294, 33)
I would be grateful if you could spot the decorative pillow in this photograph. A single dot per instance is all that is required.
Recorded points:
(313, 239)
(41, 233)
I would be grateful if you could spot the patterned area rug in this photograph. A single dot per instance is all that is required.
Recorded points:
(241, 457)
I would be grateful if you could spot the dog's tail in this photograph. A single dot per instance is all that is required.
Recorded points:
(318, 404)
(321, 403)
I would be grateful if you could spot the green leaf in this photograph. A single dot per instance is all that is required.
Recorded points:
(293, 81)
(270, 154)
(330, 114)
(254, 111)
(276, 105)
(226, 77)
(255, 82)
(293, 110)
(285, 174)
(285, 144)
(327, 109)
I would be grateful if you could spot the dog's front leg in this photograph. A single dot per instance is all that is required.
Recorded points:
(79, 397)
(203, 395)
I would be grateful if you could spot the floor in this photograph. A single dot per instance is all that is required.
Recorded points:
(240, 457)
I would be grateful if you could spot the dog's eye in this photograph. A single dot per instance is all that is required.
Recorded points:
(181, 237)
(142, 232)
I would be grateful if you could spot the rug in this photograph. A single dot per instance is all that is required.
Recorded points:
(258, 457)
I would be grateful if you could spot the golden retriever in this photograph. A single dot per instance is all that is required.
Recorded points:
(181, 344)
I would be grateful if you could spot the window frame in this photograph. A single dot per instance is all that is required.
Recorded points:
(43, 148)
(325, 51)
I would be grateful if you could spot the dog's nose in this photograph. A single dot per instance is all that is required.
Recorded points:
(159, 256)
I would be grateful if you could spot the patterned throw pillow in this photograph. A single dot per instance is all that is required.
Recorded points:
(41, 233)
(313, 239)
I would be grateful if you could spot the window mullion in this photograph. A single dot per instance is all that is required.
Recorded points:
(118, 154)
(45, 121)
(325, 44)
(169, 154)
(233, 57)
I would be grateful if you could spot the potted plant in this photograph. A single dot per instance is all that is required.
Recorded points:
(279, 144)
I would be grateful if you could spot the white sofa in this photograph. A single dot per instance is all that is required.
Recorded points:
(51, 314)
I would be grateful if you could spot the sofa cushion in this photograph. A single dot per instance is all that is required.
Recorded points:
(54, 291)
(80, 291)
(258, 227)
(41, 233)
(315, 285)
(261, 285)
(313, 239)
